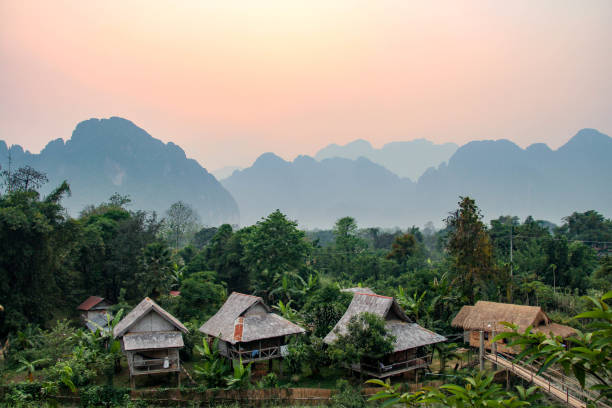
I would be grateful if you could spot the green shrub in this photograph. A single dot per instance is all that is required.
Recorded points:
(103, 396)
(347, 396)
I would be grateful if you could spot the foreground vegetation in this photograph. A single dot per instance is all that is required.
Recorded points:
(50, 262)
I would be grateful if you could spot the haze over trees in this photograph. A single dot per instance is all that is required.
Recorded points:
(502, 177)
(113, 155)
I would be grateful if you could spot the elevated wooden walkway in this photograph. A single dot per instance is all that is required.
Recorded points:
(562, 388)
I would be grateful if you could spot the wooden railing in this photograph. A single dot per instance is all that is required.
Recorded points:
(551, 381)
(255, 354)
(152, 365)
(382, 370)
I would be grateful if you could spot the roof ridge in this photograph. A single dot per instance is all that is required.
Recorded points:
(374, 294)
(244, 294)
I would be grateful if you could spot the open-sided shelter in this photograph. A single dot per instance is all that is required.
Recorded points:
(411, 340)
(487, 316)
(248, 330)
(151, 339)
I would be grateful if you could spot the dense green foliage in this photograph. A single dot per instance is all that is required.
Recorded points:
(50, 262)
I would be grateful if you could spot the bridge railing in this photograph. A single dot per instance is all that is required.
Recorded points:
(553, 379)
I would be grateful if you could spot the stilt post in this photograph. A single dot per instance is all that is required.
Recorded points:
(481, 351)
(494, 346)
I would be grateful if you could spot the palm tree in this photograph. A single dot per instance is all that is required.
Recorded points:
(446, 351)
(30, 366)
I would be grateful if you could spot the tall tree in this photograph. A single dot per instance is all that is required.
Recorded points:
(180, 218)
(32, 237)
(470, 247)
(273, 248)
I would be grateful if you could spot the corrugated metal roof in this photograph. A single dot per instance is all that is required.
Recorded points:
(140, 311)
(89, 303)
(97, 321)
(230, 324)
(153, 340)
(407, 334)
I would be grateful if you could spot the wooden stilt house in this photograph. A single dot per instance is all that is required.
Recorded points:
(486, 316)
(410, 350)
(248, 330)
(151, 339)
(94, 312)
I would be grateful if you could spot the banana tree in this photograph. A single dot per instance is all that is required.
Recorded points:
(213, 367)
(240, 377)
(30, 366)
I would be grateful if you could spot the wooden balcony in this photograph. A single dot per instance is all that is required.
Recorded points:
(255, 354)
(155, 366)
(381, 370)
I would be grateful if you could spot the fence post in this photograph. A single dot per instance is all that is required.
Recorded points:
(482, 351)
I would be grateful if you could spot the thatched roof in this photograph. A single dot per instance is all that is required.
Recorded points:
(358, 290)
(488, 315)
(141, 310)
(233, 323)
(407, 334)
(153, 340)
(556, 330)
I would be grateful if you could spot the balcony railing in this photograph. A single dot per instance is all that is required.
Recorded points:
(155, 365)
(255, 354)
(381, 370)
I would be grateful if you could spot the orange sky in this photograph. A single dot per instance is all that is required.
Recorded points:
(229, 80)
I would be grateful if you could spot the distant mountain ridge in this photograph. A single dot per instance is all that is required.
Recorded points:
(406, 159)
(104, 156)
(317, 193)
(501, 176)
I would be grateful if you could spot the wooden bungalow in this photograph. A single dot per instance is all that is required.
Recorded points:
(486, 316)
(247, 329)
(94, 312)
(410, 351)
(151, 339)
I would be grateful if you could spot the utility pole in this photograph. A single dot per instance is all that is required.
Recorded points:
(511, 267)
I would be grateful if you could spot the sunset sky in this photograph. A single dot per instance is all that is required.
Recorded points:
(229, 80)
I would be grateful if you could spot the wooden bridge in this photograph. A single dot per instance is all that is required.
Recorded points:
(553, 383)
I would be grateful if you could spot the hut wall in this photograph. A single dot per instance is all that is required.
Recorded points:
(91, 314)
(501, 346)
(223, 348)
(152, 322)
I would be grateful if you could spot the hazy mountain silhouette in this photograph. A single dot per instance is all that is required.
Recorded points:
(406, 159)
(114, 155)
(224, 172)
(502, 177)
(317, 193)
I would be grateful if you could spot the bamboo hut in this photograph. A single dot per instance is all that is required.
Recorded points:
(247, 329)
(151, 339)
(93, 313)
(486, 316)
(410, 351)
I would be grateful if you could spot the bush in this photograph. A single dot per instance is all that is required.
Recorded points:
(269, 381)
(103, 395)
(347, 396)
